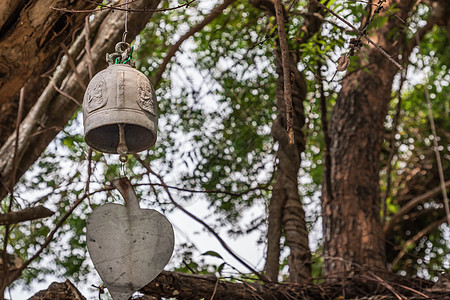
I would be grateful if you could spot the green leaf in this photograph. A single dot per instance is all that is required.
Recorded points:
(212, 253)
(220, 268)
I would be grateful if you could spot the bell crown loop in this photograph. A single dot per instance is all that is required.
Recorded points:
(123, 55)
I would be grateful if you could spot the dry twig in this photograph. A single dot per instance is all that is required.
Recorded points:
(119, 7)
(362, 34)
(174, 48)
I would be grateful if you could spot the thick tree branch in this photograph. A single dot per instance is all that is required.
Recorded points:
(181, 286)
(285, 208)
(27, 214)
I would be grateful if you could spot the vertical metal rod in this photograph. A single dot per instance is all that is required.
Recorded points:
(124, 36)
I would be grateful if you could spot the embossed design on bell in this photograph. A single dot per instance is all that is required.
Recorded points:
(96, 94)
(120, 95)
(146, 96)
(120, 89)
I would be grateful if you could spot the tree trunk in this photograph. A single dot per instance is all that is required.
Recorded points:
(352, 229)
(285, 208)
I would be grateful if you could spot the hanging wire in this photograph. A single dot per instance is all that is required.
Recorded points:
(124, 36)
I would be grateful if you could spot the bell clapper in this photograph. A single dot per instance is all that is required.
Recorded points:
(122, 147)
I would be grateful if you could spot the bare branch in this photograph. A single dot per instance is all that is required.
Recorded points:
(119, 7)
(28, 214)
(235, 194)
(64, 93)
(411, 204)
(50, 236)
(415, 239)
(174, 48)
(362, 34)
(4, 282)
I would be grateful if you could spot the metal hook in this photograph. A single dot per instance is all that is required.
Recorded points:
(122, 54)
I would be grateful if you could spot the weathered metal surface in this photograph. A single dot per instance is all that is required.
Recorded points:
(129, 246)
(117, 95)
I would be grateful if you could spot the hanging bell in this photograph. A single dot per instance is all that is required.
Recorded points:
(119, 107)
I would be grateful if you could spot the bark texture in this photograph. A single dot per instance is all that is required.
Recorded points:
(53, 110)
(285, 208)
(59, 291)
(182, 286)
(31, 34)
(352, 228)
(27, 214)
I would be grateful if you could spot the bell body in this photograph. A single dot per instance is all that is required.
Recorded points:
(120, 95)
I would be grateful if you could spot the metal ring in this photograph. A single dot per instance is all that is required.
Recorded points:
(122, 47)
(123, 158)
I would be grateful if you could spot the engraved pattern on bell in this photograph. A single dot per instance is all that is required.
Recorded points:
(147, 96)
(96, 93)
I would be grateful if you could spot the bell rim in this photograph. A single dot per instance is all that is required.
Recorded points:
(140, 118)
